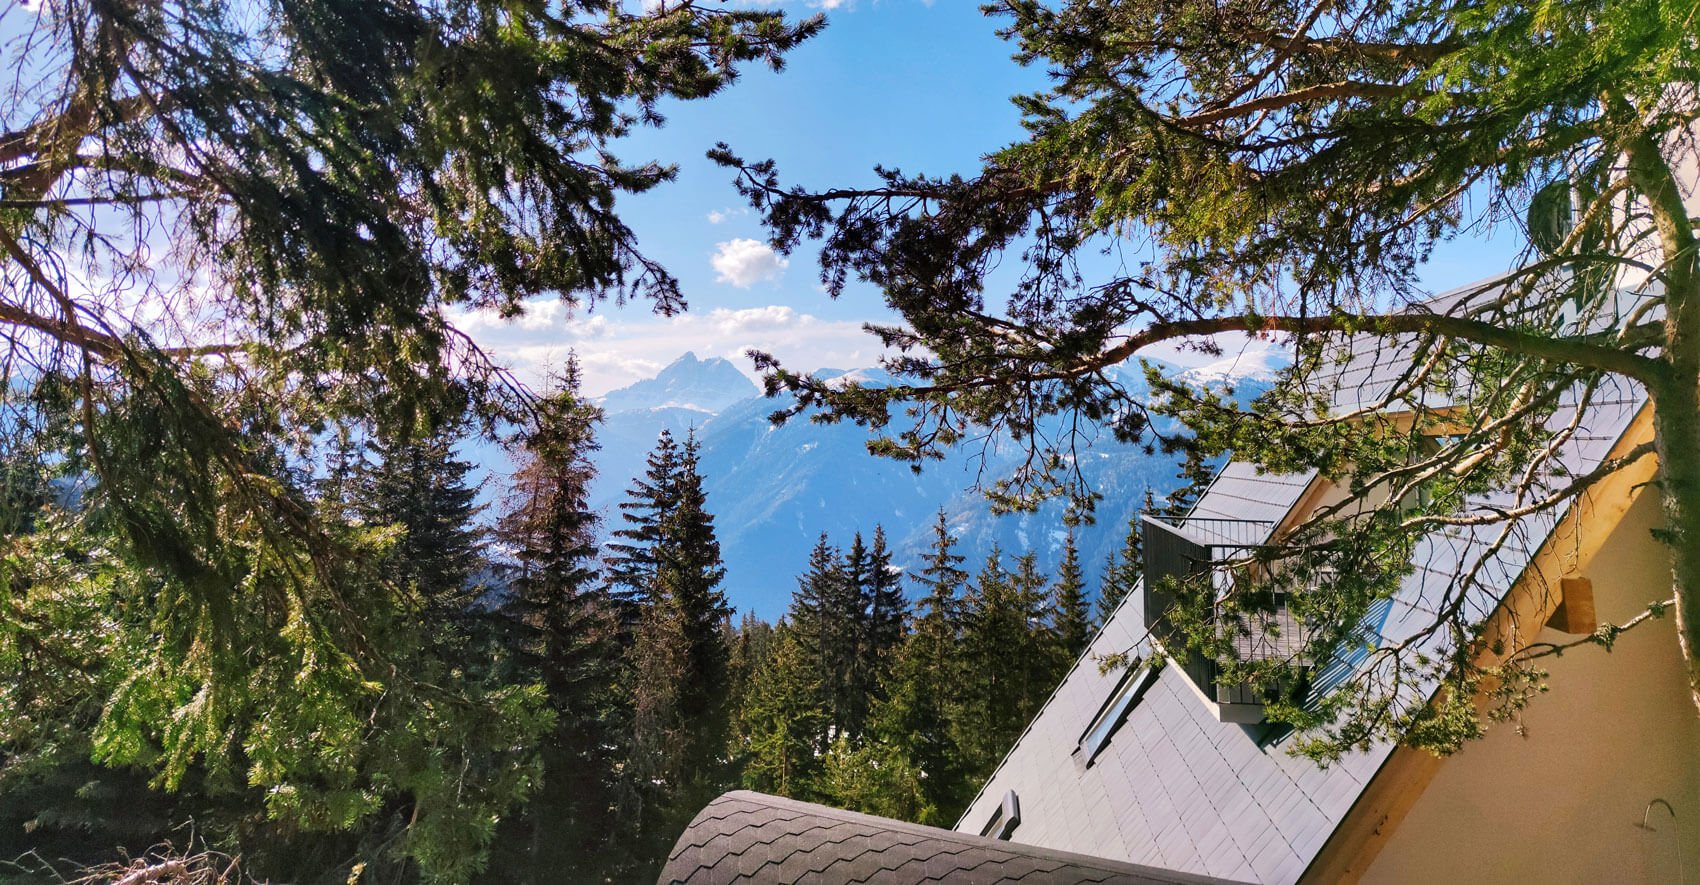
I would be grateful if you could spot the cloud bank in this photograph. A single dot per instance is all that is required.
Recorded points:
(616, 349)
(744, 262)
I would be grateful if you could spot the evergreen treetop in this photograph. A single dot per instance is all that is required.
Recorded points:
(1285, 169)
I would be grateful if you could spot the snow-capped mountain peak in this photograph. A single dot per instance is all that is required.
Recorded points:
(1251, 365)
(699, 385)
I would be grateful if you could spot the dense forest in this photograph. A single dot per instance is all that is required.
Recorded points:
(631, 695)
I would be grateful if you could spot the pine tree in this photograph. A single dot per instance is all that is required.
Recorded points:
(680, 663)
(1071, 618)
(630, 561)
(780, 722)
(924, 696)
(559, 630)
(415, 483)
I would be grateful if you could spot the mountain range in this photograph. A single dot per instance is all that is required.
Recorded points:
(774, 489)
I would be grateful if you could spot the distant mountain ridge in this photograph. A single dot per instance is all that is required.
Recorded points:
(775, 489)
(707, 386)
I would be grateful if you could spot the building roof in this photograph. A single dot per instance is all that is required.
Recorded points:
(753, 837)
(1177, 788)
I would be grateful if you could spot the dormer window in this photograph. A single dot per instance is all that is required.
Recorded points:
(1004, 819)
(1134, 683)
(1190, 549)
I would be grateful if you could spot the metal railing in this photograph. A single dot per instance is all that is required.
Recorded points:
(1178, 550)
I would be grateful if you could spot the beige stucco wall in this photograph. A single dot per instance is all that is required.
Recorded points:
(1561, 804)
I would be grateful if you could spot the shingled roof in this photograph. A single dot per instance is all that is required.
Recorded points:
(752, 837)
(1180, 788)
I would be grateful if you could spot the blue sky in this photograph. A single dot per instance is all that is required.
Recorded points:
(921, 86)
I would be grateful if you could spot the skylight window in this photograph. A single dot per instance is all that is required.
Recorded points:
(1132, 687)
(1004, 819)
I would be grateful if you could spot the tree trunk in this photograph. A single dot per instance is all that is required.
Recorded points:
(1676, 422)
(1676, 389)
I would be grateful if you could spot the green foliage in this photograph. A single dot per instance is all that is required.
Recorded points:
(944, 702)
(1122, 572)
(1009, 662)
(874, 779)
(828, 621)
(287, 204)
(680, 659)
(1284, 170)
(558, 628)
(631, 558)
(1071, 621)
(782, 722)
(324, 721)
(415, 486)
(925, 697)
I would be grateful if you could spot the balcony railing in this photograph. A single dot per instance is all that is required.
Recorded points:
(1186, 549)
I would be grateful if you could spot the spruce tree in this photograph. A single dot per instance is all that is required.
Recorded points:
(1039, 668)
(280, 208)
(880, 610)
(559, 631)
(828, 617)
(752, 643)
(414, 483)
(873, 778)
(1071, 618)
(1122, 571)
(888, 610)
(688, 575)
(680, 666)
(924, 694)
(630, 561)
(780, 722)
(1005, 660)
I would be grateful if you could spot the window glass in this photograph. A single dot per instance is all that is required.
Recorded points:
(1128, 691)
(1004, 819)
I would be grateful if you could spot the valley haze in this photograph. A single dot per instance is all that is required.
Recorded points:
(774, 489)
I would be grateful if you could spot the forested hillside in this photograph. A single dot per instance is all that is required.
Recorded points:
(777, 488)
(631, 694)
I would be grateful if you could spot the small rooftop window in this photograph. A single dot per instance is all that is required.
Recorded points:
(1132, 687)
(1004, 819)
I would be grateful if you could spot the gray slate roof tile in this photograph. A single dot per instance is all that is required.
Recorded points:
(749, 837)
(1172, 772)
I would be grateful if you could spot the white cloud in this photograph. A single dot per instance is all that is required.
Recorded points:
(719, 215)
(616, 348)
(744, 262)
(602, 362)
(753, 319)
(589, 327)
(542, 314)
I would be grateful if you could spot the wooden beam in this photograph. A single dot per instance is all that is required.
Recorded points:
(1575, 611)
(1569, 550)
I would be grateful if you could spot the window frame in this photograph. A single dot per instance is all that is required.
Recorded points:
(1113, 713)
(1005, 819)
